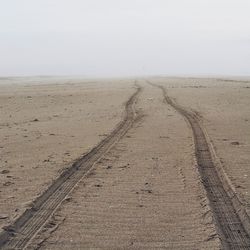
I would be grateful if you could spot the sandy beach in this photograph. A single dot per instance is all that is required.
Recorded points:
(146, 190)
(45, 127)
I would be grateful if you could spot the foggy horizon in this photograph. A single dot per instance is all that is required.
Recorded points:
(93, 38)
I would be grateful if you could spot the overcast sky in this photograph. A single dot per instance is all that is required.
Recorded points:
(124, 37)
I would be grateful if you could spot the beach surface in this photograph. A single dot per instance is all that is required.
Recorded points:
(145, 190)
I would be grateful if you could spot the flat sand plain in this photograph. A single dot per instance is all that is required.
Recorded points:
(45, 126)
(224, 108)
(146, 192)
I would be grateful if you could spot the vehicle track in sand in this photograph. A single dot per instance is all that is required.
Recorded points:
(19, 234)
(231, 219)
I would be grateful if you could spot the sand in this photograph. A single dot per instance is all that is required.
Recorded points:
(146, 192)
(45, 127)
(223, 105)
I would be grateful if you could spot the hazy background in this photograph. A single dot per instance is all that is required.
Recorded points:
(124, 37)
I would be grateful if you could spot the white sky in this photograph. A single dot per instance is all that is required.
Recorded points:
(124, 37)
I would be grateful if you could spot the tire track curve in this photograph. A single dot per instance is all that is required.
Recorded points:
(230, 217)
(24, 228)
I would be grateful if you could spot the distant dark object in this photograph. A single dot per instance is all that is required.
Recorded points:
(3, 216)
(235, 143)
(5, 171)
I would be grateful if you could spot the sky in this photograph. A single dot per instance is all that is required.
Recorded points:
(103, 38)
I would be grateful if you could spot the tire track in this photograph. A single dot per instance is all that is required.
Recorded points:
(231, 219)
(19, 234)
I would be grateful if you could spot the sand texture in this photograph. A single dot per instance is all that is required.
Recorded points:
(44, 128)
(145, 189)
(223, 107)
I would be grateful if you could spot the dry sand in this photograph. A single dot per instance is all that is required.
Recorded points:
(224, 107)
(44, 128)
(146, 192)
